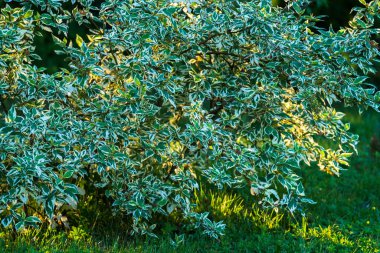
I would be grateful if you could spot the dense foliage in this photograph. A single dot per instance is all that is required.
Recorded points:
(160, 96)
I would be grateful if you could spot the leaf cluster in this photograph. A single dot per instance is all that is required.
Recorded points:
(162, 95)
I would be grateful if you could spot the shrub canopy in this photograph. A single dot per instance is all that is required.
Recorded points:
(161, 95)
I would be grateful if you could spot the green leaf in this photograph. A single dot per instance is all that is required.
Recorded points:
(12, 114)
(32, 219)
(137, 81)
(162, 202)
(377, 97)
(7, 220)
(28, 14)
(19, 225)
(309, 201)
(300, 190)
(68, 174)
(105, 149)
(169, 11)
(49, 206)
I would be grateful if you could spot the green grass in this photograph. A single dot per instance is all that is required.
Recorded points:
(345, 219)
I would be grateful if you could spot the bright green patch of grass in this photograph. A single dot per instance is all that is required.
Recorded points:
(346, 217)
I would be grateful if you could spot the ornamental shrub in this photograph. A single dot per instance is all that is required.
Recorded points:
(161, 95)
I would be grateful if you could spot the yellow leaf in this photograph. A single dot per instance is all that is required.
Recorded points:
(198, 58)
(343, 162)
(363, 2)
(79, 40)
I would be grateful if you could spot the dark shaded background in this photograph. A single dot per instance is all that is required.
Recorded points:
(337, 12)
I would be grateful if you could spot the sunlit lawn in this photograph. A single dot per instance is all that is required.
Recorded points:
(345, 219)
